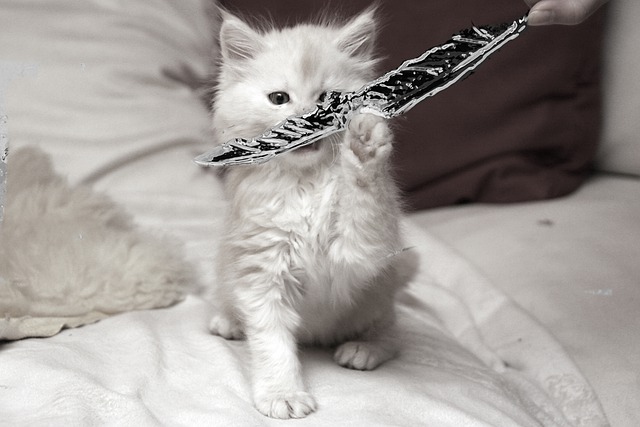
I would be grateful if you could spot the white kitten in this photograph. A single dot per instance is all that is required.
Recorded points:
(305, 253)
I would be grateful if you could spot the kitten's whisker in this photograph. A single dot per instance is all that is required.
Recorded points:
(334, 140)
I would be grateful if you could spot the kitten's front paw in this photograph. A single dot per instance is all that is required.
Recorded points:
(369, 137)
(226, 328)
(286, 405)
(361, 355)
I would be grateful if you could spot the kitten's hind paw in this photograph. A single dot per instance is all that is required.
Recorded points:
(286, 405)
(226, 328)
(361, 355)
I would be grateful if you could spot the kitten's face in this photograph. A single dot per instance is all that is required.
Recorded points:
(268, 77)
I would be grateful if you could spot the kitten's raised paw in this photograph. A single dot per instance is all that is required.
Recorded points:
(361, 355)
(226, 328)
(369, 137)
(287, 405)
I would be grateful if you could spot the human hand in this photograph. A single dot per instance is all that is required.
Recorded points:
(565, 12)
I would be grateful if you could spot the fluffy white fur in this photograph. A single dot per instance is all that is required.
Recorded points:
(70, 256)
(305, 254)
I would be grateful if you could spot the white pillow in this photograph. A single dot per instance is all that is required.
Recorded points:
(620, 148)
(100, 82)
(110, 90)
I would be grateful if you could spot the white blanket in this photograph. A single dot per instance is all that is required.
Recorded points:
(162, 367)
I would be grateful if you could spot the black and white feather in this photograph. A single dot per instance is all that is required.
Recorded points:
(388, 96)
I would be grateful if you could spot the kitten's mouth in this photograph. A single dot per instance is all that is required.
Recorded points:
(314, 146)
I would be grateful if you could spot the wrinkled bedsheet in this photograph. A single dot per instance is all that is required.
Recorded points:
(162, 367)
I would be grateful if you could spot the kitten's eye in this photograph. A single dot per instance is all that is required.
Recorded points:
(279, 98)
(322, 97)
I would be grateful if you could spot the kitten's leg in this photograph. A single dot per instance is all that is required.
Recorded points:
(376, 345)
(279, 391)
(226, 325)
(367, 232)
(270, 322)
(363, 355)
(225, 321)
(367, 213)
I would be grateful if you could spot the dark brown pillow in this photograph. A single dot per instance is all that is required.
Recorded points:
(523, 127)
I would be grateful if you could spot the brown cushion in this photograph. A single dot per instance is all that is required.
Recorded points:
(523, 127)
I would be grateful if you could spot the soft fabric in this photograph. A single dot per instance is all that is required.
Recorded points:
(163, 367)
(121, 76)
(113, 92)
(524, 127)
(573, 264)
(70, 256)
(620, 148)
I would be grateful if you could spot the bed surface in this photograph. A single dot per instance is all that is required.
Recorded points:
(163, 367)
(572, 264)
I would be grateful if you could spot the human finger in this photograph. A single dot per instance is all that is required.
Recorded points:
(564, 12)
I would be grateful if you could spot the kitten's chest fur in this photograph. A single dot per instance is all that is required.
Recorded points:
(304, 210)
(299, 213)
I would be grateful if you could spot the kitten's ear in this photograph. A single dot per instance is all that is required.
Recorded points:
(238, 41)
(357, 37)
